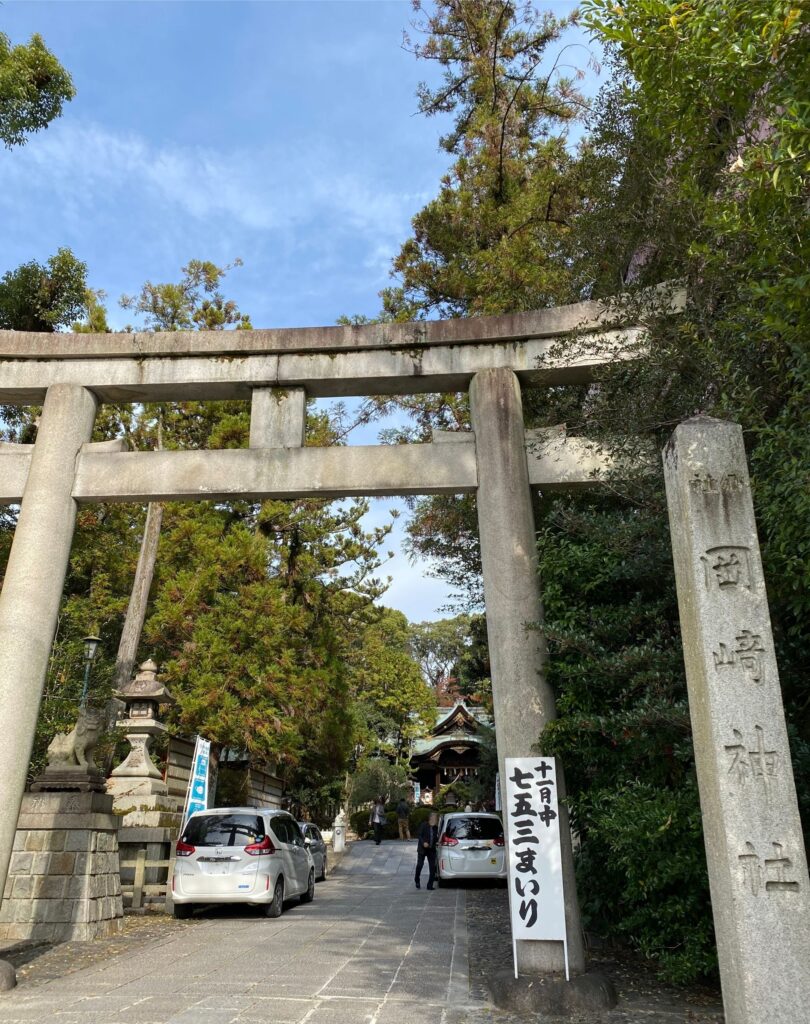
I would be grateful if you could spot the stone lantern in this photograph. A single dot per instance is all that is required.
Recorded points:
(136, 782)
(149, 815)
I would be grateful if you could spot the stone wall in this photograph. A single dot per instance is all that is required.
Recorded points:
(63, 883)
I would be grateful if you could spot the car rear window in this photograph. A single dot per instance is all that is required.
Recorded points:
(474, 828)
(223, 830)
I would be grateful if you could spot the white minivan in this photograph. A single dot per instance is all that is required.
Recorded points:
(471, 845)
(241, 855)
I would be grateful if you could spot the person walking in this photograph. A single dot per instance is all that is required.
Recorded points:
(402, 818)
(426, 839)
(377, 819)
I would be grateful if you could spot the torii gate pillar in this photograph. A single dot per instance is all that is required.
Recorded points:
(523, 699)
(32, 588)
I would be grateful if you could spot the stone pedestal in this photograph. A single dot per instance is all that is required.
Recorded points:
(754, 848)
(63, 883)
(138, 773)
(154, 811)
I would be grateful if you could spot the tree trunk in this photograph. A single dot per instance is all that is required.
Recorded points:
(136, 609)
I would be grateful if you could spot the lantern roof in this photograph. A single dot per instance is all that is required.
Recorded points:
(145, 686)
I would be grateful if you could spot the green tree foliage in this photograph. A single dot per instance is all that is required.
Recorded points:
(33, 89)
(392, 704)
(37, 297)
(438, 646)
(193, 303)
(491, 237)
(95, 314)
(376, 777)
(473, 666)
(695, 168)
(251, 638)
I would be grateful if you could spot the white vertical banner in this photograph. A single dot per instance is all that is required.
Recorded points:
(197, 793)
(536, 901)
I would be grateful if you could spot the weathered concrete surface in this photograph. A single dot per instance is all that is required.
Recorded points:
(553, 996)
(753, 836)
(278, 417)
(341, 372)
(15, 462)
(257, 473)
(543, 323)
(32, 589)
(276, 472)
(523, 700)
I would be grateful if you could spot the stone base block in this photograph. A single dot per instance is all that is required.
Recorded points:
(157, 810)
(69, 778)
(128, 788)
(552, 994)
(64, 880)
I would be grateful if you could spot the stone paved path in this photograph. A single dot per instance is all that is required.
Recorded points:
(370, 949)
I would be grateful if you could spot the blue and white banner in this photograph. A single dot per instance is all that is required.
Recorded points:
(197, 795)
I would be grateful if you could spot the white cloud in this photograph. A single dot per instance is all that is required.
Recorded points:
(260, 189)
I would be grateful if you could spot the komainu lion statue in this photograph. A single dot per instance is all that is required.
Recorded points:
(77, 746)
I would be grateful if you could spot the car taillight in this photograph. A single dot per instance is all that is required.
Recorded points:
(184, 849)
(498, 841)
(262, 848)
(448, 841)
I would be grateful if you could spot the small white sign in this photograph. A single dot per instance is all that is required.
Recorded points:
(536, 900)
(197, 795)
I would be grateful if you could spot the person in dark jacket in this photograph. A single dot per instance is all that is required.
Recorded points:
(426, 840)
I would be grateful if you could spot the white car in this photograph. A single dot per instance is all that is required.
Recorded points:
(241, 855)
(471, 845)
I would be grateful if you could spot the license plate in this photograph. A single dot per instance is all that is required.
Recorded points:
(217, 869)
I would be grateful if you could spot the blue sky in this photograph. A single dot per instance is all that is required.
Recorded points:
(284, 133)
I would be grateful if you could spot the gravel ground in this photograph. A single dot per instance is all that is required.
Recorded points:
(643, 998)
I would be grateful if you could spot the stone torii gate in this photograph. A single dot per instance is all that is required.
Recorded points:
(492, 358)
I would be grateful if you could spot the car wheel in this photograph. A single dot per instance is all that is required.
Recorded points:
(440, 883)
(323, 870)
(181, 911)
(273, 909)
(309, 895)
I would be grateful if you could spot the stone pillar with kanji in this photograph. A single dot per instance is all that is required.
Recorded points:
(754, 848)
